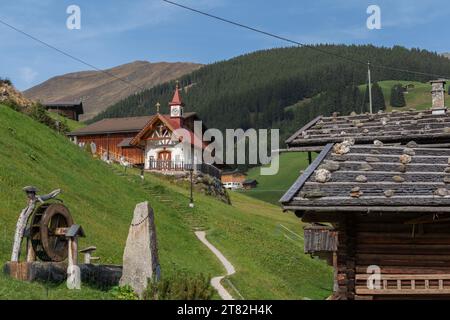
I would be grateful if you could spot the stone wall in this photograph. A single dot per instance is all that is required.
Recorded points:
(203, 183)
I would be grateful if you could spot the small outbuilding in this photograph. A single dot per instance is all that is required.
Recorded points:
(250, 184)
(71, 110)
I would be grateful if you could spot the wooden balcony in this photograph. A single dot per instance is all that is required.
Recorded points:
(179, 166)
(394, 284)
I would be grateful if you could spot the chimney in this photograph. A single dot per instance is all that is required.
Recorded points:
(438, 97)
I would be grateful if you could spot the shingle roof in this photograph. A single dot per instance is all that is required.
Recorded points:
(78, 105)
(373, 178)
(118, 125)
(113, 125)
(394, 127)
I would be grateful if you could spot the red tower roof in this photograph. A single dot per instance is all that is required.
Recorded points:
(176, 100)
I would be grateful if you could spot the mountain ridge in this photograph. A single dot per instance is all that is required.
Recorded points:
(97, 90)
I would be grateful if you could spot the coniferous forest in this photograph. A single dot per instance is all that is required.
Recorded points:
(286, 87)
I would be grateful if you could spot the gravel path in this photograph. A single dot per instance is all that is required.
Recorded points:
(215, 282)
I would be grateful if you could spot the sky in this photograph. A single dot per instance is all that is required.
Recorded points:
(115, 32)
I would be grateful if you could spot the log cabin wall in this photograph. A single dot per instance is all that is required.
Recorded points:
(111, 141)
(403, 252)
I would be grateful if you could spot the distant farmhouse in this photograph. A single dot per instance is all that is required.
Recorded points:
(147, 141)
(377, 201)
(71, 110)
(233, 179)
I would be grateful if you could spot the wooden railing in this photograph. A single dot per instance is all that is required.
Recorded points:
(167, 165)
(394, 284)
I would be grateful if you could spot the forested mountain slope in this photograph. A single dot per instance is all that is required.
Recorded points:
(253, 90)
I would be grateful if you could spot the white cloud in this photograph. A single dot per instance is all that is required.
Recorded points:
(27, 74)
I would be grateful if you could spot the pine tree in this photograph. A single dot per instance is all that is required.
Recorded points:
(378, 100)
(398, 96)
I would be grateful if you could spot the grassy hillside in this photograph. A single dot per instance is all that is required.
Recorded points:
(73, 125)
(418, 97)
(102, 202)
(269, 263)
(272, 188)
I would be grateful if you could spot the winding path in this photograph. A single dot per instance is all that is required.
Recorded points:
(215, 282)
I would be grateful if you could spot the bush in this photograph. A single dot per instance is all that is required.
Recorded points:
(124, 293)
(12, 105)
(5, 81)
(180, 287)
(38, 113)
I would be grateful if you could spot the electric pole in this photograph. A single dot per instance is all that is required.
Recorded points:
(370, 87)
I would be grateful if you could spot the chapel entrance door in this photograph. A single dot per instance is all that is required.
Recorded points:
(164, 160)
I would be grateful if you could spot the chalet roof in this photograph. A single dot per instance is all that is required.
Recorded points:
(77, 105)
(393, 127)
(234, 172)
(172, 126)
(373, 178)
(114, 125)
(118, 125)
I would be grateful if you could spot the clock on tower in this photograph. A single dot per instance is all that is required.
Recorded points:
(176, 111)
(176, 105)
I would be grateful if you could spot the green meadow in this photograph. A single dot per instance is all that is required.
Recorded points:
(263, 243)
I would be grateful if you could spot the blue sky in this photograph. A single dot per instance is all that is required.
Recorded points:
(114, 32)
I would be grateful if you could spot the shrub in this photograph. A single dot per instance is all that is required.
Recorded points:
(5, 81)
(38, 113)
(12, 105)
(181, 286)
(124, 293)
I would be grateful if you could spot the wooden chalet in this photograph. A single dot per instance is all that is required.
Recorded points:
(71, 110)
(379, 209)
(149, 141)
(111, 137)
(427, 128)
(377, 201)
(233, 179)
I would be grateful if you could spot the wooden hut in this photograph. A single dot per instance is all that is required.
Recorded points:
(68, 109)
(250, 184)
(381, 216)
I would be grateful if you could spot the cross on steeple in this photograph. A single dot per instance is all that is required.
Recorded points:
(158, 105)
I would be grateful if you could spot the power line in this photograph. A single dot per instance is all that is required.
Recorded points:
(299, 43)
(69, 55)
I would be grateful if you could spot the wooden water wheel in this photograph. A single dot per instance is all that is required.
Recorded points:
(47, 232)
